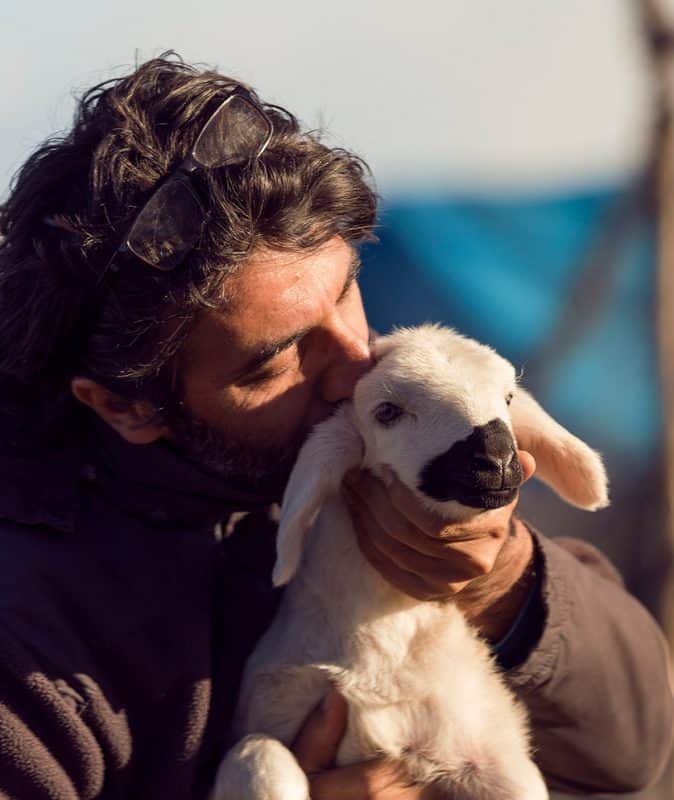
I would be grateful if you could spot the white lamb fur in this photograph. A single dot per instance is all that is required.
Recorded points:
(420, 685)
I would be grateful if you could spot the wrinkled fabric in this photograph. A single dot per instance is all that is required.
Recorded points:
(127, 612)
(596, 685)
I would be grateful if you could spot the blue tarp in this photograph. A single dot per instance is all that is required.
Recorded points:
(503, 271)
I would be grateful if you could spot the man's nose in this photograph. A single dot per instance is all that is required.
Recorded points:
(350, 360)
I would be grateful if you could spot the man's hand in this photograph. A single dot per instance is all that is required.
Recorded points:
(481, 564)
(315, 749)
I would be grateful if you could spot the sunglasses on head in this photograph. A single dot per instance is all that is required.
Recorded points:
(169, 225)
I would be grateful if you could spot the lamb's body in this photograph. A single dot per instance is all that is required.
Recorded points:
(420, 684)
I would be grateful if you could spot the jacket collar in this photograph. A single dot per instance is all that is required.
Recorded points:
(40, 487)
(154, 483)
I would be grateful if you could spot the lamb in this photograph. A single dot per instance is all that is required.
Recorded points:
(446, 414)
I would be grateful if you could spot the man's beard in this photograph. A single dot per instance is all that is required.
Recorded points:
(262, 469)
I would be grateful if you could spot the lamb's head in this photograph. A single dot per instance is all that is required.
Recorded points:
(435, 409)
(446, 414)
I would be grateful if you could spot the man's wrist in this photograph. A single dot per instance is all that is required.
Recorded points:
(527, 628)
(491, 603)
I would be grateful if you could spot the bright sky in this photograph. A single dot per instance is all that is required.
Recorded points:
(433, 93)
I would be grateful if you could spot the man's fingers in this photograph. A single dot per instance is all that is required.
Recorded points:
(402, 516)
(316, 744)
(399, 512)
(432, 524)
(406, 582)
(528, 464)
(395, 503)
(363, 781)
(445, 565)
(375, 496)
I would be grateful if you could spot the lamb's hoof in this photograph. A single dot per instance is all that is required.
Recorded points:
(260, 768)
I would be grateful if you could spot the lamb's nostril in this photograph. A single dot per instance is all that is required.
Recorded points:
(495, 446)
(494, 462)
(487, 463)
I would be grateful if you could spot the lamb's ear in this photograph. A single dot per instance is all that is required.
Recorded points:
(382, 345)
(331, 450)
(563, 461)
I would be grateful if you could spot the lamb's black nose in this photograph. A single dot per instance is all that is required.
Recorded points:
(484, 463)
(492, 446)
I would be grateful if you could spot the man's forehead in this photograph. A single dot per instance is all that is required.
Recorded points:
(271, 296)
(258, 281)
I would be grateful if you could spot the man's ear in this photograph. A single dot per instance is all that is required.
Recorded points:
(132, 421)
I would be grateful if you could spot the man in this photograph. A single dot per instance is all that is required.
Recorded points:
(178, 307)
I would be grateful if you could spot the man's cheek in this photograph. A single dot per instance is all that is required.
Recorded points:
(283, 392)
(274, 409)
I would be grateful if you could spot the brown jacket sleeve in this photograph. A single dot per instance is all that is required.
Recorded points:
(596, 685)
(47, 752)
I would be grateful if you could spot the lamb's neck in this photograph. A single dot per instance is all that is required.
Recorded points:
(335, 568)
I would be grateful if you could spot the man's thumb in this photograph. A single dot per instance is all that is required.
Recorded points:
(315, 746)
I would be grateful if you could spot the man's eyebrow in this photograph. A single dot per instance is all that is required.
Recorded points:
(354, 270)
(271, 349)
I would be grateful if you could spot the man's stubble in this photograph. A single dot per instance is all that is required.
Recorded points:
(261, 467)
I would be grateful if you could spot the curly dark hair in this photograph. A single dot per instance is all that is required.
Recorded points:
(72, 202)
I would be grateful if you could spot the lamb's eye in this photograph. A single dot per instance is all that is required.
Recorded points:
(387, 413)
(509, 398)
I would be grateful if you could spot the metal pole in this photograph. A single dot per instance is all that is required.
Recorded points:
(660, 36)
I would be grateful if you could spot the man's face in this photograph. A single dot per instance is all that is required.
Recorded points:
(289, 344)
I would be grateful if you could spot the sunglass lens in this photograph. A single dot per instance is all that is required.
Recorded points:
(168, 227)
(236, 132)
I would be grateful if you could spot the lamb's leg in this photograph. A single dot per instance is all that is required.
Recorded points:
(530, 783)
(260, 768)
(489, 779)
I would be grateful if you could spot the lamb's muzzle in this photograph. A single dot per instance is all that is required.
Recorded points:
(481, 471)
